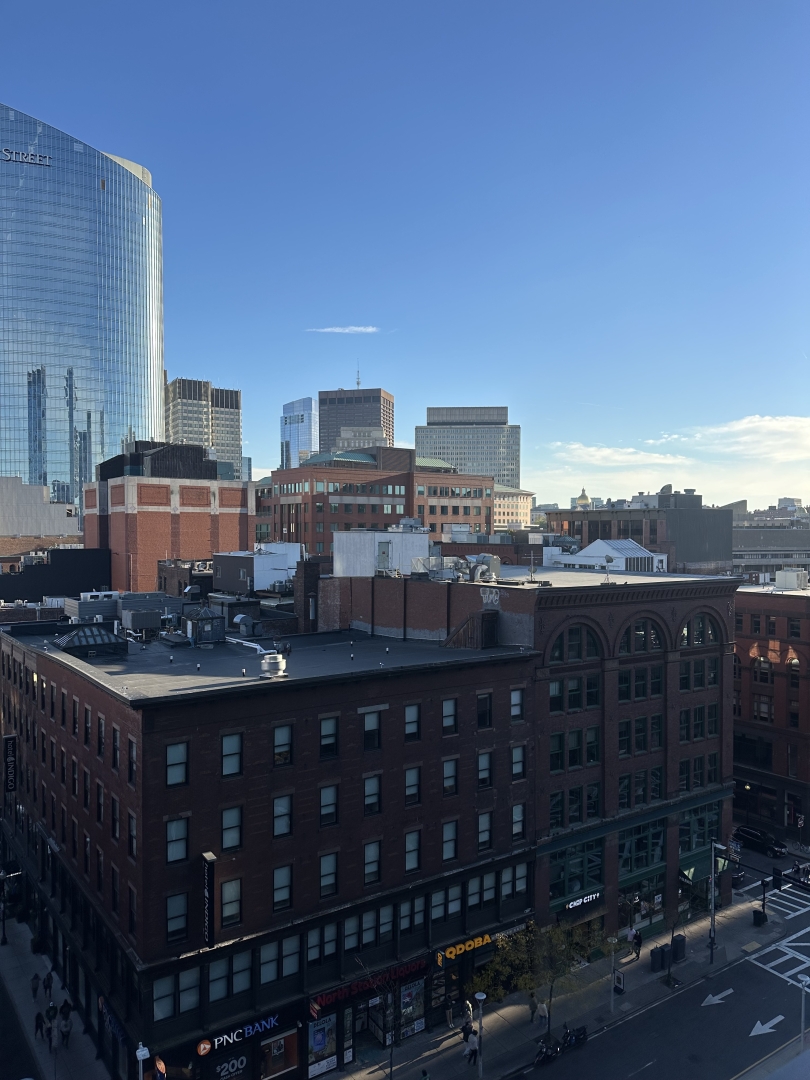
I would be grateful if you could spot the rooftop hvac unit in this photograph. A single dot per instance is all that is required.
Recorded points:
(273, 665)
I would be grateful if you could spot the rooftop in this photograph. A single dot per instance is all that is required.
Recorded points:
(155, 671)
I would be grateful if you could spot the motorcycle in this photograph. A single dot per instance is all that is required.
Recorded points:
(573, 1036)
(548, 1049)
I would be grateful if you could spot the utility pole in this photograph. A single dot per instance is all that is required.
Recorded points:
(480, 997)
(613, 941)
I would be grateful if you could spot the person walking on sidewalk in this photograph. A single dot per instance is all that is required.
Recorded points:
(48, 1033)
(47, 984)
(637, 939)
(532, 1006)
(468, 1011)
(51, 1013)
(466, 1030)
(39, 1025)
(448, 1011)
(471, 1053)
(65, 1028)
(35, 985)
(65, 1009)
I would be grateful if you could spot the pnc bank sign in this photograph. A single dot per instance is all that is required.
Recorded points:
(24, 158)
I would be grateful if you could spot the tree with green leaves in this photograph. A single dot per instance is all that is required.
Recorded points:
(530, 958)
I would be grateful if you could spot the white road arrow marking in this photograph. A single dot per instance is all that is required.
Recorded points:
(765, 1029)
(715, 999)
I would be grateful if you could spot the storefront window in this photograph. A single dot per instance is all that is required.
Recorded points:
(575, 869)
(412, 1007)
(641, 846)
(322, 1045)
(279, 1055)
(642, 902)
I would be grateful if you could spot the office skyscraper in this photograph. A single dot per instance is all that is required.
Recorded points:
(298, 427)
(197, 412)
(480, 441)
(81, 306)
(353, 408)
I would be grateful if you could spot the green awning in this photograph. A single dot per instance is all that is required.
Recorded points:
(696, 866)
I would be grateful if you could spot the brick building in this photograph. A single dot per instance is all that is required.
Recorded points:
(210, 851)
(697, 539)
(772, 708)
(143, 520)
(367, 490)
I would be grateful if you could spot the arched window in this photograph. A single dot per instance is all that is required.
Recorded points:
(576, 643)
(641, 636)
(793, 673)
(698, 631)
(762, 671)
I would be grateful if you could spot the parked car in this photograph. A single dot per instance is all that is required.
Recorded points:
(758, 840)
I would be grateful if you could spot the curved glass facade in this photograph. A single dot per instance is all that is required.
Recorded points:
(81, 306)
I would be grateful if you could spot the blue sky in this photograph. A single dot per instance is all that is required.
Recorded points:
(595, 213)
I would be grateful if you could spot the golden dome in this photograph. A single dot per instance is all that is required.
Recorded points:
(583, 500)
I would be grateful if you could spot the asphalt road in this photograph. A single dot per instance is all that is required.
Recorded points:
(16, 1060)
(683, 1037)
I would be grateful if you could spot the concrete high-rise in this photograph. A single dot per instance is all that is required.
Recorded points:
(81, 306)
(197, 412)
(298, 428)
(353, 408)
(476, 440)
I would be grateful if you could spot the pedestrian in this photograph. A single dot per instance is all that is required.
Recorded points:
(65, 1027)
(468, 1012)
(532, 1006)
(425, 1074)
(466, 1030)
(472, 1047)
(65, 1009)
(35, 985)
(47, 984)
(39, 1025)
(51, 1013)
(448, 1011)
(48, 1032)
(637, 939)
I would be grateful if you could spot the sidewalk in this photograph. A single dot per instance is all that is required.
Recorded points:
(510, 1040)
(17, 965)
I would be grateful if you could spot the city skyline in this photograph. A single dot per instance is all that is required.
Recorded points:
(619, 205)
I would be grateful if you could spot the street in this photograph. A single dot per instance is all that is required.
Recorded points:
(713, 1030)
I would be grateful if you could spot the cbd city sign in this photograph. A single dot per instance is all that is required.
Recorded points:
(26, 159)
(582, 900)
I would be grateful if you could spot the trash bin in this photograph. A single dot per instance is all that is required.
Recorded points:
(666, 952)
(760, 917)
(656, 961)
(678, 948)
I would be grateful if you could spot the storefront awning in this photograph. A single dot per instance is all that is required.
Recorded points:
(696, 867)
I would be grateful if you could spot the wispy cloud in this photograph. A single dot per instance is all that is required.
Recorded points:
(754, 457)
(343, 330)
(610, 457)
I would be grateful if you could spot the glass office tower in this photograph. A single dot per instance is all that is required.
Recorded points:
(81, 306)
(299, 432)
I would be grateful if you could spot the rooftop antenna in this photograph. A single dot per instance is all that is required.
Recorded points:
(358, 376)
(608, 561)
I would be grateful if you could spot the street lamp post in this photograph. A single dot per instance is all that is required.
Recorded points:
(141, 1054)
(480, 997)
(612, 941)
(715, 848)
(805, 981)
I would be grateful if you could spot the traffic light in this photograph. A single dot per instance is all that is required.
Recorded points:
(777, 878)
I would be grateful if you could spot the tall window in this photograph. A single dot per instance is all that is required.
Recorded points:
(450, 777)
(484, 710)
(176, 764)
(519, 821)
(176, 839)
(232, 902)
(371, 862)
(329, 737)
(516, 706)
(412, 723)
(449, 717)
(282, 746)
(372, 796)
(329, 805)
(328, 866)
(413, 785)
(518, 762)
(232, 828)
(282, 815)
(449, 840)
(282, 888)
(371, 731)
(485, 831)
(231, 755)
(485, 769)
(412, 850)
